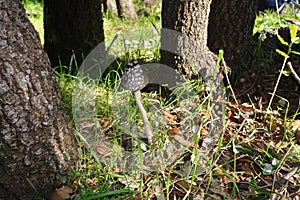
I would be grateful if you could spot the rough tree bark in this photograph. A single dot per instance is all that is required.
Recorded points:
(191, 19)
(110, 5)
(193, 58)
(71, 26)
(37, 143)
(126, 9)
(230, 28)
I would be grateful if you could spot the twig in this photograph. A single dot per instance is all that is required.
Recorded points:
(112, 42)
(277, 84)
(293, 72)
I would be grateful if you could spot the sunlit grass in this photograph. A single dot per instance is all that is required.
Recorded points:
(270, 19)
(112, 23)
(35, 13)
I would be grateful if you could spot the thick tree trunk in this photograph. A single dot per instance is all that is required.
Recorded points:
(110, 5)
(71, 26)
(230, 28)
(191, 19)
(126, 9)
(37, 144)
(191, 56)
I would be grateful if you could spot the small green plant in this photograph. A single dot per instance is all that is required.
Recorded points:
(294, 40)
(270, 19)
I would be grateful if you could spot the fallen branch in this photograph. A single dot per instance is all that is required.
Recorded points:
(293, 72)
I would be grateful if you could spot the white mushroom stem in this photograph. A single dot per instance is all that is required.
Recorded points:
(137, 95)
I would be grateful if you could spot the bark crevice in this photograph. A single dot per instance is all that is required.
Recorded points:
(35, 131)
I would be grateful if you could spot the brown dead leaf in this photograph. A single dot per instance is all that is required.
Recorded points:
(229, 114)
(102, 149)
(168, 116)
(183, 184)
(219, 172)
(204, 132)
(175, 130)
(183, 141)
(247, 169)
(295, 125)
(260, 143)
(62, 192)
(86, 124)
(246, 106)
(92, 184)
(106, 122)
(206, 115)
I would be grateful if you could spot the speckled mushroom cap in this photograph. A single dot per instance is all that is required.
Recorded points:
(134, 78)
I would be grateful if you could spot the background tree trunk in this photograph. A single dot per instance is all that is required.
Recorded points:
(71, 26)
(110, 5)
(230, 28)
(37, 144)
(191, 19)
(126, 9)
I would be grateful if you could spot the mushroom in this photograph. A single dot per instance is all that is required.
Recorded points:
(135, 79)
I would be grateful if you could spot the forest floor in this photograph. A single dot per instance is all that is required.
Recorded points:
(257, 155)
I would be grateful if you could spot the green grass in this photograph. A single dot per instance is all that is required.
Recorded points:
(113, 24)
(253, 147)
(270, 19)
(185, 176)
(35, 12)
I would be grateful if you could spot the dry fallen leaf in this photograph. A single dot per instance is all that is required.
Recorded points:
(229, 114)
(62, 192)
(295, 125)
(106, 122)
(183, 141)
(168, 116)
(175, 130)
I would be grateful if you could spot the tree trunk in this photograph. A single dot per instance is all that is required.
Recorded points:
(37, 144)
(110, 5)
(230, 28)
(126, 9)
(191, 56)
(71, 26)
(186, 18)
